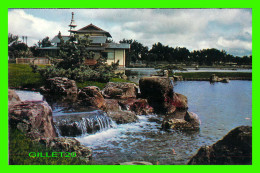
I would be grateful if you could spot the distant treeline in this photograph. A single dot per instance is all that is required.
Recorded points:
(160, 52)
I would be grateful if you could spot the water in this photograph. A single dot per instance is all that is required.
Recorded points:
(220, 106)
(134, 74)
(80, 123)
(29, 95)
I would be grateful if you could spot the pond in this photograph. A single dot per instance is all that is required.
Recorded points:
(220, 106)
(134, 74)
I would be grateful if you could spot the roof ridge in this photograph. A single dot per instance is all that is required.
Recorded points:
(92, 26)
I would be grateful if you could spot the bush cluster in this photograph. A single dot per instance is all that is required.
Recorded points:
(73, 54)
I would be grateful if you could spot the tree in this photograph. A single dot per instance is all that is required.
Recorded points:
(137, 51)
(73, 54)
(45, 42)
(17, 49)
(12, 38)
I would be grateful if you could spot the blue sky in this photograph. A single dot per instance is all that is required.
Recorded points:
(227, 29)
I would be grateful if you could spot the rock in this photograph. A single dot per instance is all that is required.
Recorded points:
(62, 144)
(34, 118)
(225, 80)
(165, 73)
(177, 78)
(123, 117)
(180, 101)
(12, 96)
(193, 119)
(111, 105)
(215, 78)
(124, 77)
(61, 86)
(136, 163)
(159, 93)
(120, 90)
(91, 96)
(234, 149)
(139, 106)
(182, 120)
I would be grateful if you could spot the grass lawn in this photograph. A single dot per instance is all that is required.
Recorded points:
(21, 75)
(219, 74)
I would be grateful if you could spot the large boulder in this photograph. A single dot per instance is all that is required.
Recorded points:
(234, 149)
(111, 105)
(91, 96)
(138, 106)
(182, 120)
(62, 144)
(12, 96)
(180, 101)
(123, 117)
(34, 118)
(61, 86)
(120, 90)
(159, 93)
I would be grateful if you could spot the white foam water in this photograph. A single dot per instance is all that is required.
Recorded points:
(29, 95)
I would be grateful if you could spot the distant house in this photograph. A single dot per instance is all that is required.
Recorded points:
(99, 44)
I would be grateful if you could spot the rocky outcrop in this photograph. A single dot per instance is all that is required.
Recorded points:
(182, 120)
(34, 118)
(177, 78)
(120, 90)
(91, 96)
(12, 96)
(123, 117)
(215, 78)
(61, 86)
(159, 93)
(112, 105)
(138, 106)
(234, 149)
(180, 101)
(62, 144)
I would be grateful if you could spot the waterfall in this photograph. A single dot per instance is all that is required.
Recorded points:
(77, 124)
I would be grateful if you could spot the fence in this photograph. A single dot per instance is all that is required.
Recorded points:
(35, 61)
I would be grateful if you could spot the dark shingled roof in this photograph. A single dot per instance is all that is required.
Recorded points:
(57, 40)
(98, 39)
(92, 29)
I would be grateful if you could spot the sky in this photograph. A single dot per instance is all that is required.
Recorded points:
(195, 29)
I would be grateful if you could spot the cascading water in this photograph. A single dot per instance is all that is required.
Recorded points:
(76, 124)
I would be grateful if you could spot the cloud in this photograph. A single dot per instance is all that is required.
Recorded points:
(191, 28)
(23, 24)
